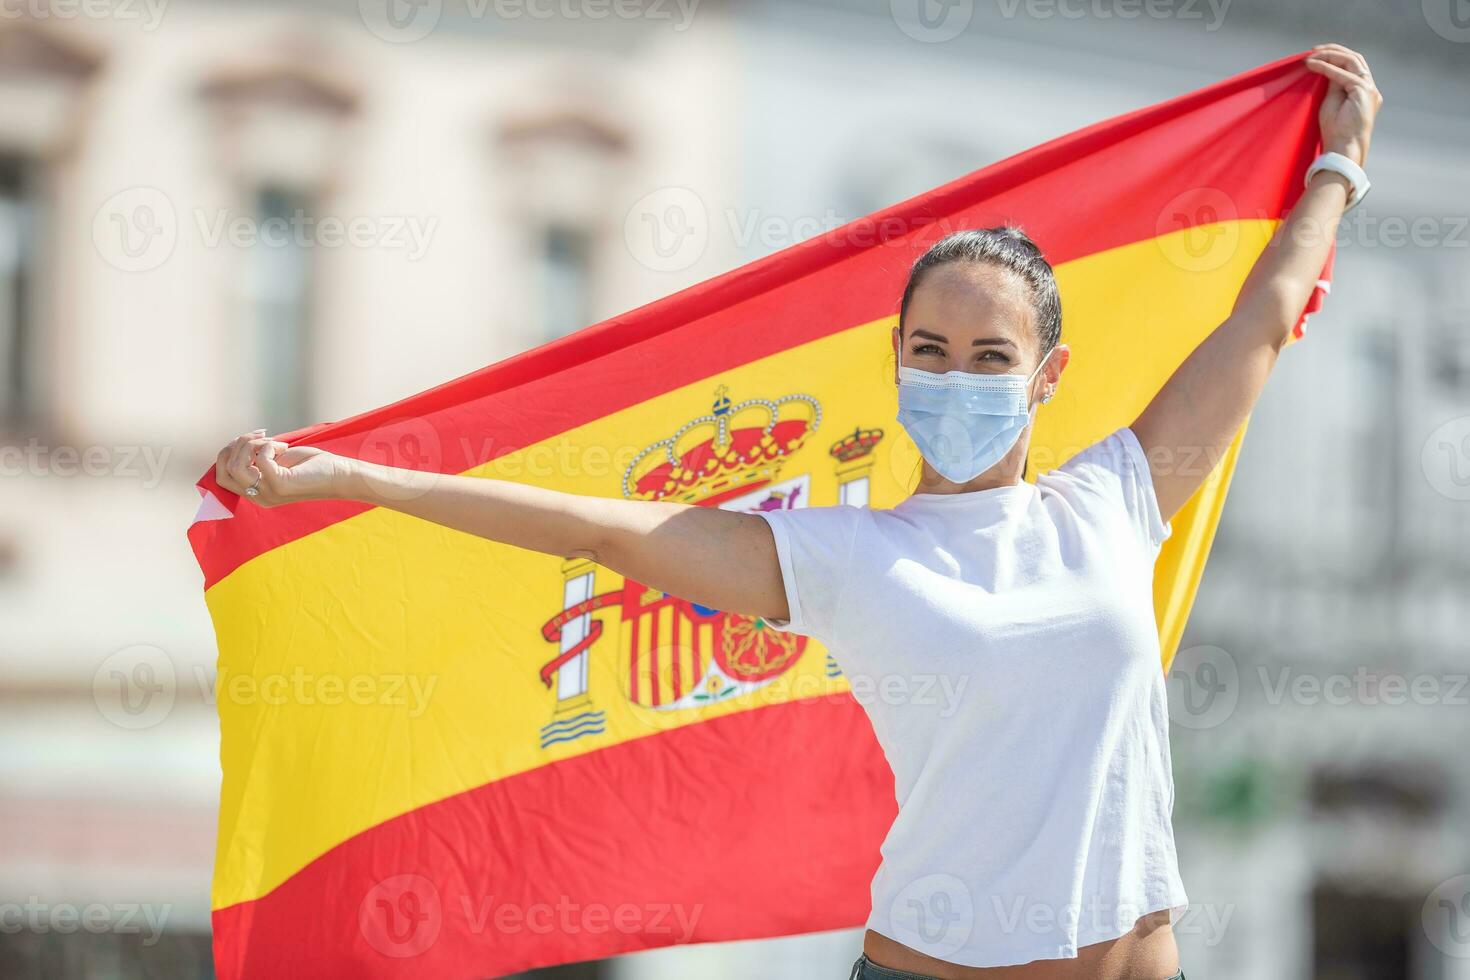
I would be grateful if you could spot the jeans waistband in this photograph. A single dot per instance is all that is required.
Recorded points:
(866, 969)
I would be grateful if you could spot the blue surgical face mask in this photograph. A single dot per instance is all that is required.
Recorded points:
(964, 423)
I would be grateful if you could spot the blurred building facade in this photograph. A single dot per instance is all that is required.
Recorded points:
(216, 216)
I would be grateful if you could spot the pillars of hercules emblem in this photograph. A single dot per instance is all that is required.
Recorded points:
(575, 714)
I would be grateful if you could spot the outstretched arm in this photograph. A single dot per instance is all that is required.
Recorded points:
(1207, 400)
(718, 558)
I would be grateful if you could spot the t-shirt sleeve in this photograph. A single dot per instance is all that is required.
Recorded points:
(814, 545)
(1116, 471)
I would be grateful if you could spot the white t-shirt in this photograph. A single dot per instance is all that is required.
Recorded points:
(1004, 646)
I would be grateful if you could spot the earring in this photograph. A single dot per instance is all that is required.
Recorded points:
(1047, 397)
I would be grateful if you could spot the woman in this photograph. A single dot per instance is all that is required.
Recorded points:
(1033, 838)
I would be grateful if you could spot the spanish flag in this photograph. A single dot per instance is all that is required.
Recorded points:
(447, 757)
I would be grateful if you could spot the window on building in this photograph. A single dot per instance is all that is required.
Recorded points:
(566, 280)
(279, 314)
(1399, 791)
(19, 388)
(1362, 935)
(557, 159)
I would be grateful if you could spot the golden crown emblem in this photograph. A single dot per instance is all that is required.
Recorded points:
(855, 444)
(736, 447)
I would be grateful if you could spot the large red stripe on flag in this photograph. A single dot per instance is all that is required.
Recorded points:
(399, 901)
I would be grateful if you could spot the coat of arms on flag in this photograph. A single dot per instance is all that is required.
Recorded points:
(676, 654)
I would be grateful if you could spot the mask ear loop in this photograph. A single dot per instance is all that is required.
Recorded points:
(1031, 413)
(1046, 397)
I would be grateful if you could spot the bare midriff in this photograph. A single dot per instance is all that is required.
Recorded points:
(1147, 952)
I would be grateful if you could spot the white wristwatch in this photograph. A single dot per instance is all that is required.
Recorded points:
(1340, 164)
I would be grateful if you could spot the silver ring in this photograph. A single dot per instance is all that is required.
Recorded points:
(254, 489)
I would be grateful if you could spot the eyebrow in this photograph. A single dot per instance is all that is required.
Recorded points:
(977, 342)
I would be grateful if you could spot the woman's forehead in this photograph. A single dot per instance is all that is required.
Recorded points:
(965, 300)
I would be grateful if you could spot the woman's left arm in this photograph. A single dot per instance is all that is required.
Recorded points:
(1208, 398)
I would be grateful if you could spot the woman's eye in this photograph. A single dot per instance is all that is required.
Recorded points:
(926, 348)
(994, 355)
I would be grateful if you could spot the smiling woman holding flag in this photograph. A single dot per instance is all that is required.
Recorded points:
(1033, 837)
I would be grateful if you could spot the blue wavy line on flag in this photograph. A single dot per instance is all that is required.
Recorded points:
(569, 729)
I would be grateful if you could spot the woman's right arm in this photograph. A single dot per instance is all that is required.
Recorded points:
(719, 558)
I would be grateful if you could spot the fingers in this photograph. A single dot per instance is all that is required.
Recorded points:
(235, 467)
(1353, 71)
(270, 455)
(1344, 57)
(240, 455)
(221, 474)
(254, 460)
(224, 463)
(1342, 76)
(265, 459)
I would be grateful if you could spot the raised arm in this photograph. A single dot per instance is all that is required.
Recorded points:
(718, 558)
(1206, 401)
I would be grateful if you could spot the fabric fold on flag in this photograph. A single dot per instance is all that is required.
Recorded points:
(443, 756)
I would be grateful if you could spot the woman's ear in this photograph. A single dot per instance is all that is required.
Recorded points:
(897, 339)
(1055, 367)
